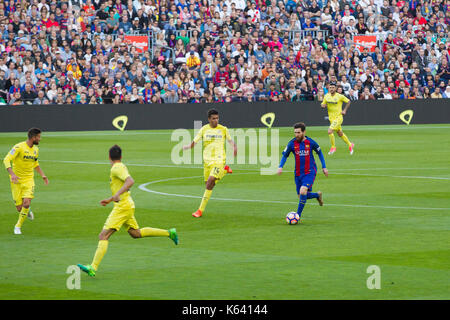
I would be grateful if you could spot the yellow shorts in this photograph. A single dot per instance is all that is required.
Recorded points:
(119, 217)
(335, 123)
(214, 169)
(22, 190)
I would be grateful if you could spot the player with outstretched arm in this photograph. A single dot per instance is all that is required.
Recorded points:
(122, 213)
(214, 136)
(20, 163)
(305, 165)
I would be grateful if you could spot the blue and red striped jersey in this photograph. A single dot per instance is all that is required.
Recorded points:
(303, 156)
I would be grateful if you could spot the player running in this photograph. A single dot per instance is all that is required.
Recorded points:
(333, 102)
(305, 165)
(122, 213)
(24, 158)
(213, 135)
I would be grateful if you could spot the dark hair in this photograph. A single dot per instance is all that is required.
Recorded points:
(115, 153)
(212, 112)
(33, 132)
(300, 125)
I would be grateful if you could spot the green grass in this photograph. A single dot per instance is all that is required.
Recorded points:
(387, 205)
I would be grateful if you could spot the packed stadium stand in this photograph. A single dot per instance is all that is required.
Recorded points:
(197, 51)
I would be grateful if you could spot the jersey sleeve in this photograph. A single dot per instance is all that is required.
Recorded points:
(199, 135)
(285, 154)
(227, 134)
(315, 146)
(287, 151)
(10, 156)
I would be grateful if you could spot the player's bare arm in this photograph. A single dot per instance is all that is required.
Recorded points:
(14, 178)
(189, 146)
(347, 105)
(234, 145)
(128, 183)
(44, 177)
(325, 172)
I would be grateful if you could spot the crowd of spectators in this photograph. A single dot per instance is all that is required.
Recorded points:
(73, 52)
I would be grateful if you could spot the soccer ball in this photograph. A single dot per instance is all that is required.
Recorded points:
(292, 218)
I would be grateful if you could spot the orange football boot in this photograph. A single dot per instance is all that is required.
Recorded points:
(197, 214)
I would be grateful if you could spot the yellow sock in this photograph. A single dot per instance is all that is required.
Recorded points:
(205, 199)
(153, 232)
(22, 216)
(332, 140)
(99, 253)
(344, 137)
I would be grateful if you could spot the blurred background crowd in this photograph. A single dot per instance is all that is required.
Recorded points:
(195, 51)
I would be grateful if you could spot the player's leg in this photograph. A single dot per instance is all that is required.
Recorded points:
(346, 140)
(135, 232)
(22, 195)
(209, 186)
(113, 223)
(25, 208)
(102, 247)
(315, 195)
(303, 192)
(213, 173)
(103, 241)
(153, 232)
(332, 139)
(16, 191)
(309, 181)
(30, 214)
(207, 167)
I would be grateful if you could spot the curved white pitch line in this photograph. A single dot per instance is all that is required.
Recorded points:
(143, 187)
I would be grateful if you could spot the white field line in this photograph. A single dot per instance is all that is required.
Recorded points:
(143, 187)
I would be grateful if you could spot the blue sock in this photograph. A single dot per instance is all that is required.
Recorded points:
(301, 204)
(312, 195)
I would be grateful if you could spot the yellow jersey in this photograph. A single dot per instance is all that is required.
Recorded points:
(213, 142)
(24, 159)
(119, 173)
(334, 104)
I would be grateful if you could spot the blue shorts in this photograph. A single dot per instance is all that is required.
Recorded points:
(305, 181)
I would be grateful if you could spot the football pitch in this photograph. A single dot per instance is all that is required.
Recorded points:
(387, 205)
